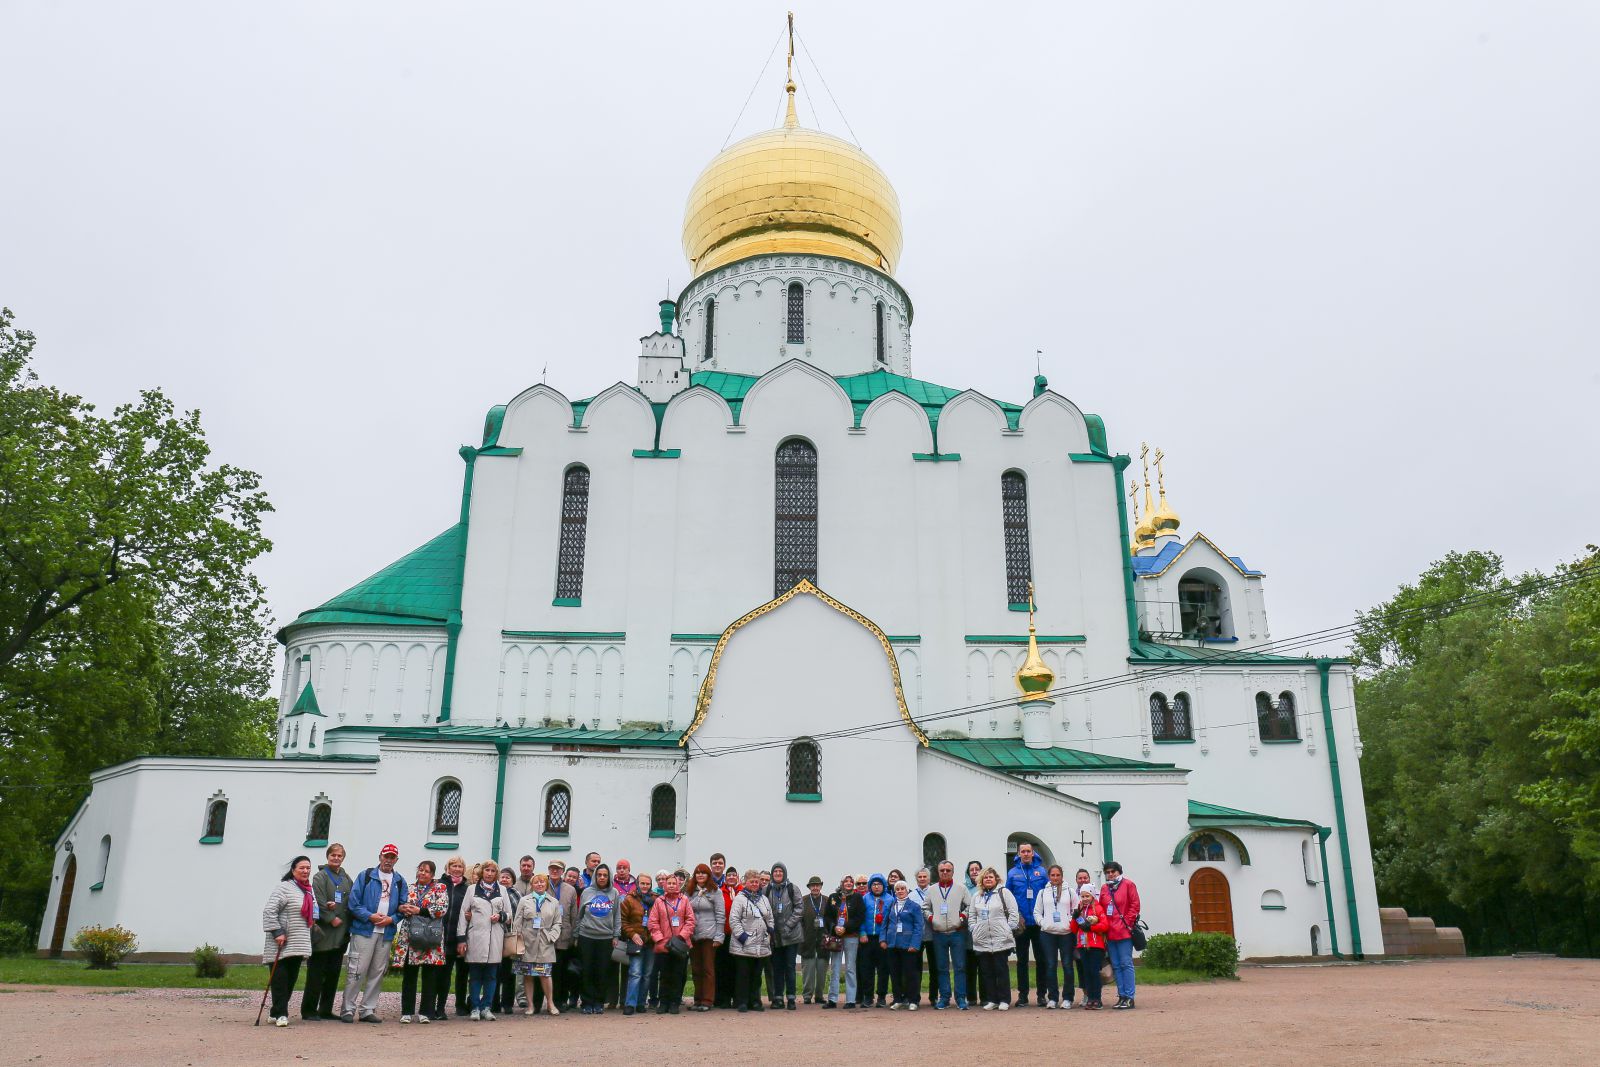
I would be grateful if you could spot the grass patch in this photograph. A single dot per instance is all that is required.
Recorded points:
(22, 970)
(1171, 976)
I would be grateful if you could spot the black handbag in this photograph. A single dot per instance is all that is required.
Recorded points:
(678, 947)
(425, 932)
(1136, 934)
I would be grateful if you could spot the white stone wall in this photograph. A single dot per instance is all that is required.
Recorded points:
(751, 319)
(363, 676)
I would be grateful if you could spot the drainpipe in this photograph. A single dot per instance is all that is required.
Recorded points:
(452, 628)
(1327, 892)
(1108, 808)
(503, 751)
(1331, 740)
(1120, 464)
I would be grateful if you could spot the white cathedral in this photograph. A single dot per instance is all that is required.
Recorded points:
(772, 599)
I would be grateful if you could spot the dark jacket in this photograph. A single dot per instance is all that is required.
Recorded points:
(458, 893)
(814, 922)
(330, 886)
(854, 912)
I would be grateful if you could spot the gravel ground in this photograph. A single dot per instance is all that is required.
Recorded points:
(1488, 1011)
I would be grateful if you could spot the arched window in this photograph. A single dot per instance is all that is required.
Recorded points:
(883, 348)
(711, 330)
(574, 530)
(1275, 719)
(1204, 848)
(1014, 514)
(795, 507)
(312, 743)
(447, 808)
(797, 313)
(805, 769)
(105, 861)
(558, 810)
(1178, 720)
(1316, 941)
(216, 819)
(321, 821)
(1160, 717)
(1203, 604)
(663, 811)
(934, 852)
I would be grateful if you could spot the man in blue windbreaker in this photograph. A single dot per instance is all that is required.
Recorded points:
(1026, 879)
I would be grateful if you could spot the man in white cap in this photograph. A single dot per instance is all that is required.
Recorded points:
(374, 910)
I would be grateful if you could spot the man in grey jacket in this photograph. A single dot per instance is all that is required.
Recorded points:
(945, 905)
(329, 936)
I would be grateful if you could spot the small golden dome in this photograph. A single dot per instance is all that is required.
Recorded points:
(1034, 677)
(1145, 532)
(1165, 520)
(792, 191)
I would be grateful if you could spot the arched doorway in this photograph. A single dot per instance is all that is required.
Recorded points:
(69, 877)
(1210, 902)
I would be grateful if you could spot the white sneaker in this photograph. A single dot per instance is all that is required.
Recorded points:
(422, 1019)
(404, 1019)
(1065, 1005)
(282, 1020)
(1049, 1004)
(476, 1015)
(911, 1007)
(990, 1006)
(896, 1007)
(488, 1016)
(1004, 1006)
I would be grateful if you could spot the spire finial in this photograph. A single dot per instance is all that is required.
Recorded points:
(1161, 481)
(1164, 519)
(791, 121)
(1034, 677)
(1144, 457)
(1031, 630)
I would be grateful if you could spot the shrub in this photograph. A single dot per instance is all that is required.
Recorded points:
(14, 939)
(208, 962)
(1213, 955)
(104, 946)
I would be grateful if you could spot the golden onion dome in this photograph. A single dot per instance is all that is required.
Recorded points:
(792, 191)
(1034, 677)
(1165, 520)
(1145, 532)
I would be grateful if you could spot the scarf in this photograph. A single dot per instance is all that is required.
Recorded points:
(538, 900)
(308, 903)
(488, 892)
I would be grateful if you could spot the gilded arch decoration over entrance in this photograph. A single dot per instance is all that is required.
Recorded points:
(804, 586)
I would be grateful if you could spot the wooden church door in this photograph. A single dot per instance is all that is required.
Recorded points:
(1210, 902)
(69, 880)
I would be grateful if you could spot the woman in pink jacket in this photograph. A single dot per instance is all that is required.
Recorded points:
(671, 919)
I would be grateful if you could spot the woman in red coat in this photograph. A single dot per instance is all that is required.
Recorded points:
(1088, 937)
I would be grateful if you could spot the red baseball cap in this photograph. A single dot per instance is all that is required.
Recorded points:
(389, 850)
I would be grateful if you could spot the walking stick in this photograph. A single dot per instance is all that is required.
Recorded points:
(270, 976)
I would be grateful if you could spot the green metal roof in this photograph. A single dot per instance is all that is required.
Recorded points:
(526, 735)
(1202, 814)
(420, 588)
(1154, 652)
(1012, 756)
(307, 704)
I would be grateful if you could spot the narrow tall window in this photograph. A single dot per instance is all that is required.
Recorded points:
(447, 808)
(934, 851)
(883, 349)
(217, 819)
(1181, 720)
(1160, 717)
(805, 769)
(558, 810)
(711, 330)
(574, 530)
(663, 810)
(797, 314)
(1275, 719)
(795, 512)
(321, 821)
(1014, 514)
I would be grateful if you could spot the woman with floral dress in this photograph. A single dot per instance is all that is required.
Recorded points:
(430, 899)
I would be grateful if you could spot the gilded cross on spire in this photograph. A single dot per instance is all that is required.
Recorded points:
(790, 119)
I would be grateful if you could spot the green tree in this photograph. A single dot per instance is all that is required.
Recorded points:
(131, 622)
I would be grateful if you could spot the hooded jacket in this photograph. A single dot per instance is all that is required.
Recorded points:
(876, 907)
(902, 925)
(1025, 883)
(785, 902)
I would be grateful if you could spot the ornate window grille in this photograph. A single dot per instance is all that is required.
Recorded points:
(805, 767)
(1275, 719)
(1014, 513)
(574, 531)
(1160, 717)
(797, 314)
(447, 809)
(663, 809)
(883, 356)
(216, 818)
(711, 330)
(795, 507)
(558, 810)
(321, 822)
(1181, 718)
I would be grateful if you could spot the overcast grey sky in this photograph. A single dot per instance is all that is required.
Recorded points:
(1341, 261)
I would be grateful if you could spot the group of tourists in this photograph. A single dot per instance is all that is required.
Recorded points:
(590, 938)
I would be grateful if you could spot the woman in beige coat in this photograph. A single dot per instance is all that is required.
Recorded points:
(485, 912)
(540, 919)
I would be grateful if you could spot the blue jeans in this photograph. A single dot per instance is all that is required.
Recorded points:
(843, 962)
(950, 955)
(1053, 949)
(1121, 953)
(639, 968)
(481, 979)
